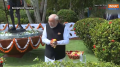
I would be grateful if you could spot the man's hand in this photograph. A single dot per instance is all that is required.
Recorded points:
(53, 44)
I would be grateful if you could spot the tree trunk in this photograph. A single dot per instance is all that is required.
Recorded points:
(41, 8)
(70, 5)
(36, 10)
(81, 14)
(44, 12)
(28, 13)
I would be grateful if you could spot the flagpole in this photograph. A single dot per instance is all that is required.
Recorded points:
(6, 13)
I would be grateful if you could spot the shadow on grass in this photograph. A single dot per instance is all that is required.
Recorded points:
(27, 59)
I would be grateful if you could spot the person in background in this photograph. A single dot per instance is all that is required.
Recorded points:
(55, 30)
(119, 15)
(108, 16)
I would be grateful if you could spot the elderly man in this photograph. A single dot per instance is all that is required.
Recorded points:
(55, 30)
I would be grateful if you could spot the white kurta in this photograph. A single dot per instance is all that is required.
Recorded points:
(118, 15)
(108, 16)
(61, 42)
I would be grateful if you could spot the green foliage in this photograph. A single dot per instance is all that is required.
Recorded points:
(23, 17)
(106, 37)
(66, 15)
(97, 12)
(82, 28)
(1, 7)
(49, 12)
(2, 16)
(71, 64)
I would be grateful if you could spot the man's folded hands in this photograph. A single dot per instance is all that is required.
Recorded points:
(53, 43)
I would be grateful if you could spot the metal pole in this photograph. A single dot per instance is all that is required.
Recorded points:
(6, 13)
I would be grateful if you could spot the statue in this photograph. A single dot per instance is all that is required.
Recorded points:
(15, 3)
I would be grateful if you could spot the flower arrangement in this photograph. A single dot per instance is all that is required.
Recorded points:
(74, 54)
(2, 61)
(53, 41)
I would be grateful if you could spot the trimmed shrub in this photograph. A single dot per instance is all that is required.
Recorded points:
(2, 16)
(82, 28)
(23, 17)
(71, 64)
(106, 38)
(67, 15)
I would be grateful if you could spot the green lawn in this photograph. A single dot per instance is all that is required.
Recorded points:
(27, 59)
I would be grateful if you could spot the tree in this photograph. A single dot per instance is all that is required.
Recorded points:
(44, 12)
(36, 10)
(40, 12)
(28, 13)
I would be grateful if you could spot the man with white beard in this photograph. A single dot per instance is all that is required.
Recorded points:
(55, 30)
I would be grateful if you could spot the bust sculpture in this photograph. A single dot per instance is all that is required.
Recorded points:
(15, 3)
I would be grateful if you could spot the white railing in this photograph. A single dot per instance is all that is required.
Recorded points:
(69, 26)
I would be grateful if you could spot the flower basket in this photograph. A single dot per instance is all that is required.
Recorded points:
(74, 54)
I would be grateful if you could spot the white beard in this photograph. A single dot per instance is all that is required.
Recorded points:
(51, 27)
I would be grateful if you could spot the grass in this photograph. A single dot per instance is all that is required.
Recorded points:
(27, 59)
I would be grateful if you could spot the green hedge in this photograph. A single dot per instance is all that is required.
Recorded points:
(106, 38)
(67, 15)
(23, 17)
(82, 28)
(2, 16)
(71, 64)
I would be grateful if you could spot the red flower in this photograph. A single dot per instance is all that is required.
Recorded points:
(112, 40)
(1, 61)
(90, 8)
(94, 46)
(104, 7)
(71, 51)
(76, 51)
(74, 33)
(110, 22)
(8, 7)
(74, 28)
(103, 49)
(75, 54)
(99, 7)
